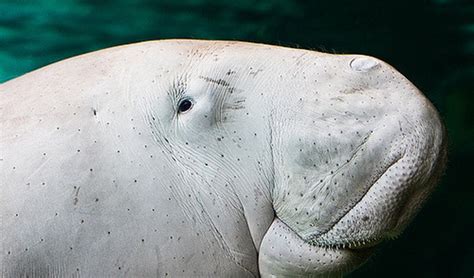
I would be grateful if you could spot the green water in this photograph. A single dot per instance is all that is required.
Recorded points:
(430, 42)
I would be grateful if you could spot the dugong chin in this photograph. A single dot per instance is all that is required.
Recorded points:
(187, 158)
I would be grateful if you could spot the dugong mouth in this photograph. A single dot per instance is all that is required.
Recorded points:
(367, 223)
(336, 238)
(343, 234)
(284, 253)
(356, 244)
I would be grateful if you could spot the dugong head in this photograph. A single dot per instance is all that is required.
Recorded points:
(316, 157)
(348, 147)
(354, 147)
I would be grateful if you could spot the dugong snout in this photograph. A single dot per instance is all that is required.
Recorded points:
(362, 165)
(407, 158)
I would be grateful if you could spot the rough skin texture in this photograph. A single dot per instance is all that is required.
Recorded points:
(287, 162)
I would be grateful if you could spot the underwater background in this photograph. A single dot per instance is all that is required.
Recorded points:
(431, 42)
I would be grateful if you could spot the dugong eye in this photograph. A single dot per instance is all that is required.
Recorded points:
(184, 105)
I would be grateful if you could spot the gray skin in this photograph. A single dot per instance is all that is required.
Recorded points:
(289, 162)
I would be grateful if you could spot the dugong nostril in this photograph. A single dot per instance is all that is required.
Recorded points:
(363, 64)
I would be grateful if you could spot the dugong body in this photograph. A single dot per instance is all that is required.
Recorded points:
(189, 158)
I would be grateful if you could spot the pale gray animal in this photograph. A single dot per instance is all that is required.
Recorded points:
(187, 158)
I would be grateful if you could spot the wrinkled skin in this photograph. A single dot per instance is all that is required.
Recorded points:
(288, 162)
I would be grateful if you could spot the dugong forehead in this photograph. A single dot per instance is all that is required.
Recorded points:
(282, 63)
(245, 54)
(184, 53)
(269, 65)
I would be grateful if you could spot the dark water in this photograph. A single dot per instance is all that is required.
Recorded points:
(430, 42)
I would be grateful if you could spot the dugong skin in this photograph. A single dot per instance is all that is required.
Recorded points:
(289, 162)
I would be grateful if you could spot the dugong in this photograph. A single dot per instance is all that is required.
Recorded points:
(188, 158)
